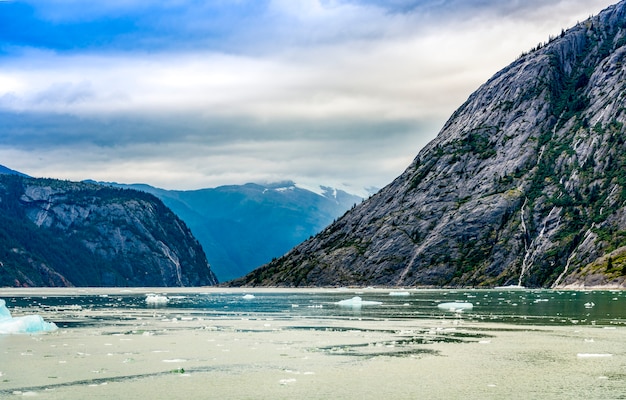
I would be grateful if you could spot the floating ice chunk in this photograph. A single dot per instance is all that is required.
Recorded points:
(510, 287)
(594, 355)
(356, 301)
(455, 306)
(399, 294)
(590, 305)
(25, 324)
(156, 299)
(248, 296)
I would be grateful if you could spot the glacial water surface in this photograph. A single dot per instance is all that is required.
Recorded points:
(314, 344)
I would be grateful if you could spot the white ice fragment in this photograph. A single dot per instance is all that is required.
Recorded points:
(455, 306)
(590, 304)
(156, 299)
(25, 324)
(356, 301)
(248, 296)
(175, 360)
(594, 355)
(399, 294)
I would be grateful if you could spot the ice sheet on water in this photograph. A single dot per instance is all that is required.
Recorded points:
(25, 324)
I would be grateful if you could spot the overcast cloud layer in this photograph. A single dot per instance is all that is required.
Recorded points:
(188, 94)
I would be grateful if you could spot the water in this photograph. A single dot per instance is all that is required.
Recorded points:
(545, 307)
(218, 343)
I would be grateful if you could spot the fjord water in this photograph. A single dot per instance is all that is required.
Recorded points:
(274, 344)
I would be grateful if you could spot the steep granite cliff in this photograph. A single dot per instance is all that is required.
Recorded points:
(59, 233)
(241, 227)
(524, 185)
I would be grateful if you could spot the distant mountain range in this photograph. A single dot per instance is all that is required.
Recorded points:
(242, 227)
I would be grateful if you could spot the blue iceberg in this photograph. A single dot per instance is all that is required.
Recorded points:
(25, 324)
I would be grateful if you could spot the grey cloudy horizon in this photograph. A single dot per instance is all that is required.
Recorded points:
(194, 94)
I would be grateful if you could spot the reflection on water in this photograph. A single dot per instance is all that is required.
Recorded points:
(545, 307)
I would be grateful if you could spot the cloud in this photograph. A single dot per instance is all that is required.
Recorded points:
(193, 94)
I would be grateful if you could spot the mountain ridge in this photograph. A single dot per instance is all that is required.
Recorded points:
(524, 185)
(62, 233)
(244, 226)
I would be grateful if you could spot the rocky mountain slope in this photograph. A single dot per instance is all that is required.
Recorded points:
(60, 233)
(242, 227)
(525, 184)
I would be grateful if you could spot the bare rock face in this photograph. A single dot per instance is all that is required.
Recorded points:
(59, 233)
(524, 185)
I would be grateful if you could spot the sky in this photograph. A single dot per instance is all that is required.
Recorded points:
(188, 94)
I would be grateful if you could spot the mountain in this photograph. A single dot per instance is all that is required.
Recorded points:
(242, 227)
(60, 233)
(524, 185)
(9, 171)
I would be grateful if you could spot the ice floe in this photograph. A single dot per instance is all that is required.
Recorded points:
(248, 296)
(594, 355)
(156, 299)
(357, 301)
(455, 306)
(25, 324)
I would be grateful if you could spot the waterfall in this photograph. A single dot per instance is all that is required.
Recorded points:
(571, 257)
(526, 244)
(530, 248)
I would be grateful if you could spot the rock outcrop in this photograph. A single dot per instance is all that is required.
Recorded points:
(241, 227)
(524, 185)
(60, 233)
